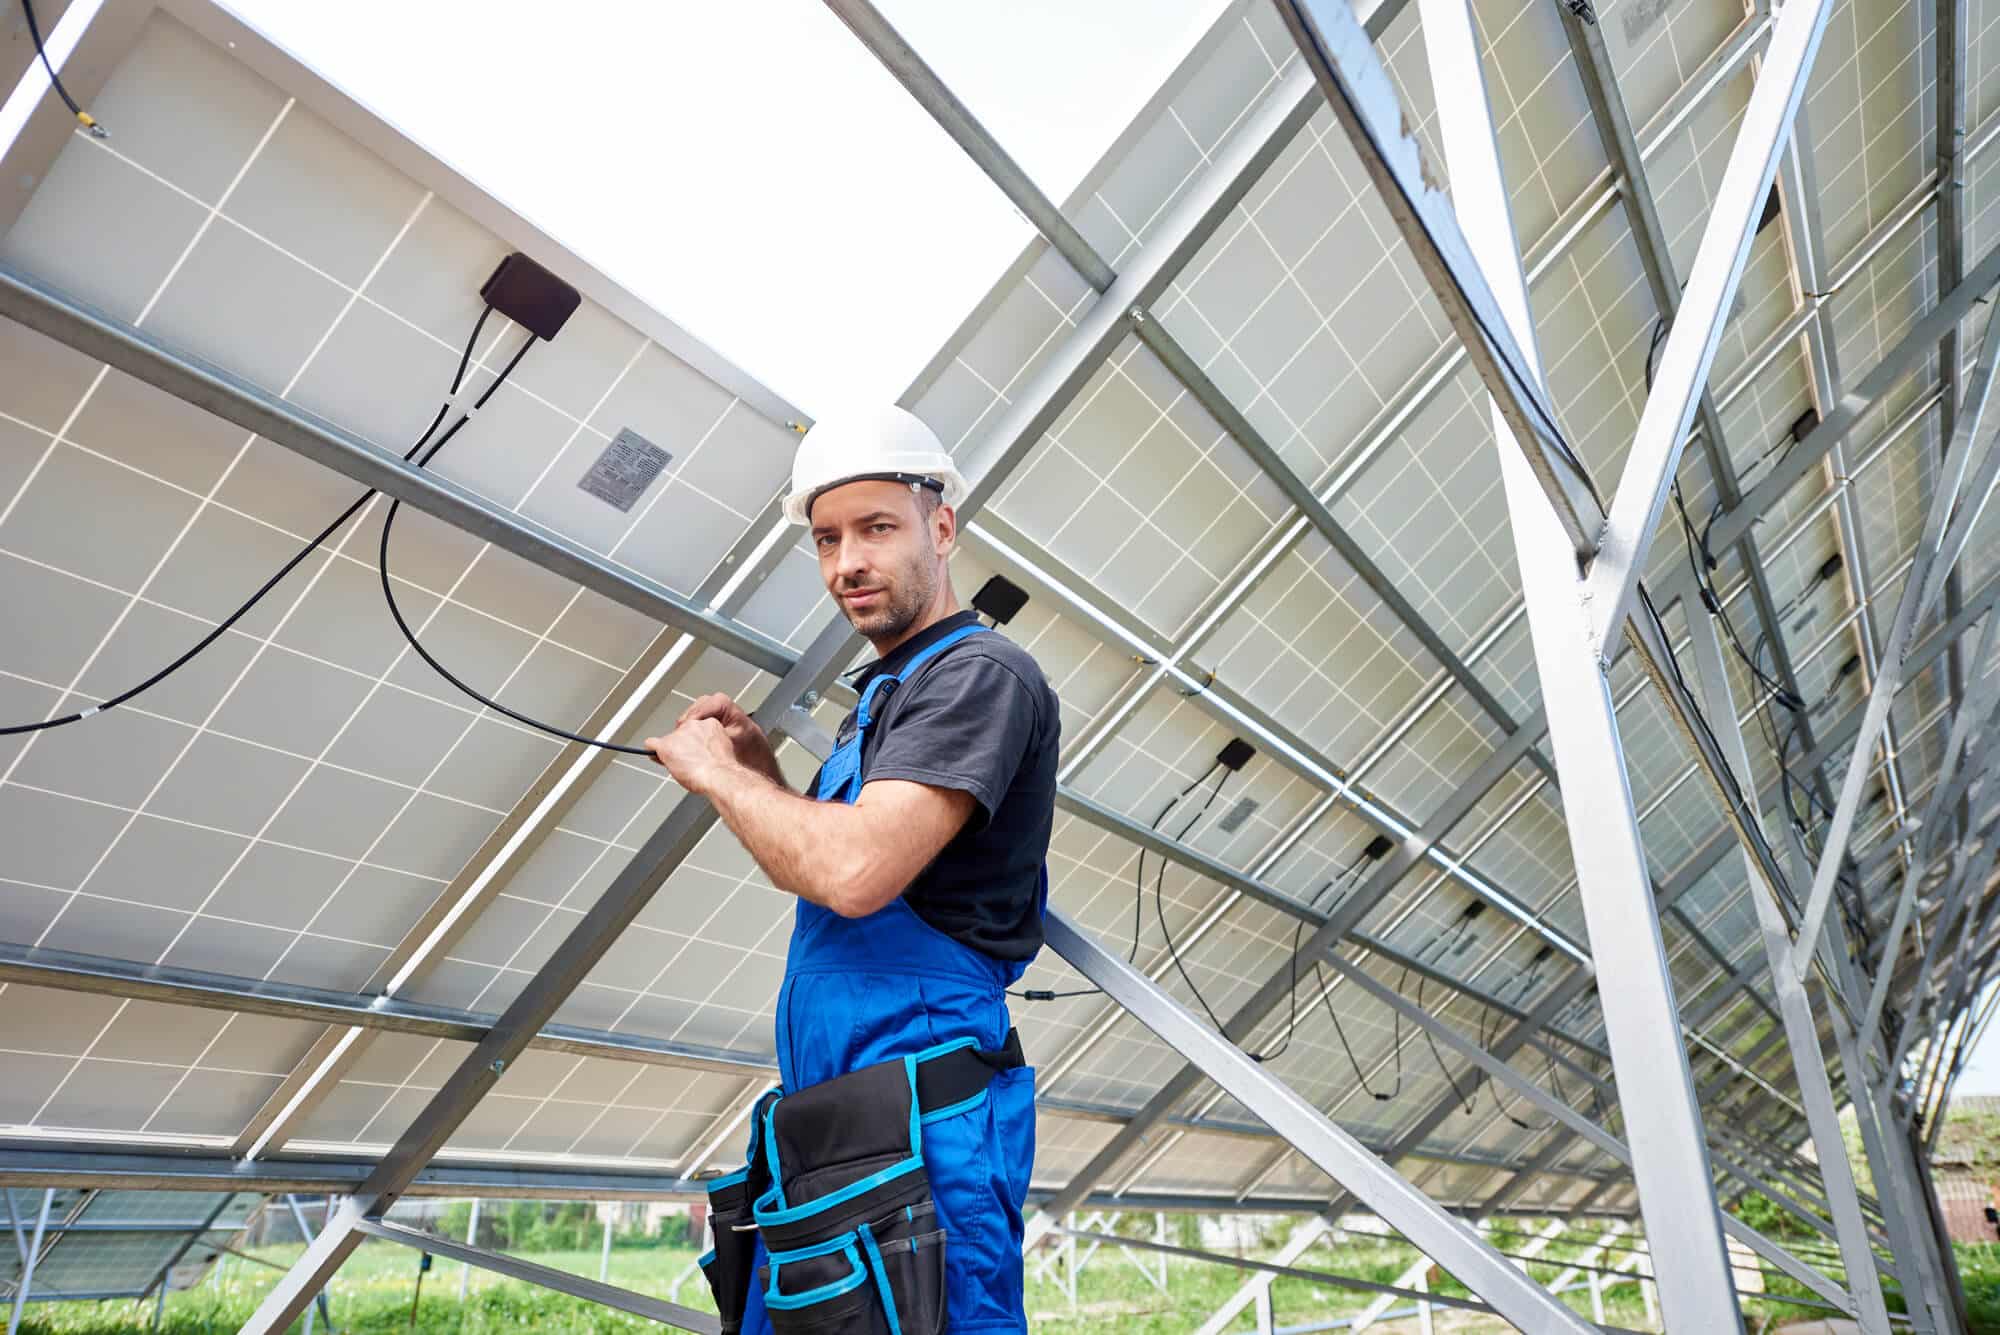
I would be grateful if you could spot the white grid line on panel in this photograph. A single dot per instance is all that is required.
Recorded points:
(138, 711)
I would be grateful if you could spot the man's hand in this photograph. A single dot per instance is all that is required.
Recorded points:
(697, 753)
(752, 748)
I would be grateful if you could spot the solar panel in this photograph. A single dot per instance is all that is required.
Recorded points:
(307, 805)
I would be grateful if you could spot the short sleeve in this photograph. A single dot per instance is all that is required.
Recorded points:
(967, 724)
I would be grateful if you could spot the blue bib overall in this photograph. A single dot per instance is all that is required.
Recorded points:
(863, 990)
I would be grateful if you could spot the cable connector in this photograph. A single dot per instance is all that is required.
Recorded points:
(89, 122)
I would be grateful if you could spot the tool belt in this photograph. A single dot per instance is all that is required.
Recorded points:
(837, 1187)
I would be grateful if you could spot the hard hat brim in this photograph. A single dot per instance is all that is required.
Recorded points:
(798, 504)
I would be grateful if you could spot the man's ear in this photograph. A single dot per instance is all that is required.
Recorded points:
(944, 530)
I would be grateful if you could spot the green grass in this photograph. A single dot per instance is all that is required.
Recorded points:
(372, 1295)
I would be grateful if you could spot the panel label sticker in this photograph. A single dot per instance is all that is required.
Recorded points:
(625, 469)
(1239, 813)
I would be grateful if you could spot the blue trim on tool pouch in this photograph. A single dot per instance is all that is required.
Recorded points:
(881, 1279)
(841, 1197)
(786, 1302)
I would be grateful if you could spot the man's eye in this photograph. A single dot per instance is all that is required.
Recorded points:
(880, 528)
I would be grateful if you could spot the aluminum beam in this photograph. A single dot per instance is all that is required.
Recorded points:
(69, 971)
(1343, 919)
(1278, 1270)
(1641, 1016)
(29, 301)
(1340, 55)
(28, 1258)
(1919, 342)
(1698, 865)
(1910, 607)
(1801, 1027)
(1621, 147)
(1336, 1153)
(1691, 343)
(545, 1277)
(1505, 1074)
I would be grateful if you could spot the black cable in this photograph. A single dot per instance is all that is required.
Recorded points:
(1467, 1101)
(1298, 936)
(1395, 1041)
(409, 635)
(217, 631)
(83, 118)
(1160, 910)
(1138, 899)
(1139, 868)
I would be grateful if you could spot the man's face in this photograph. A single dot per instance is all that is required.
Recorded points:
(881, 552)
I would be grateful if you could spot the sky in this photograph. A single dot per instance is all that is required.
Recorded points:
(1982, 1068)
(750, 170)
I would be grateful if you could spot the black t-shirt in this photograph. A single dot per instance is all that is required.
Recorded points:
(981, 719)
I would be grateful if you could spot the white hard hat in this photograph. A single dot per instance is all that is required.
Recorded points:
(867, 444)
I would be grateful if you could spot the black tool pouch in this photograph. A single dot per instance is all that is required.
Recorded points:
(837, 1186)
(730, 1265)
(848, 1220)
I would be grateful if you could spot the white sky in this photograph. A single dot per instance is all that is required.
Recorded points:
(748, 168)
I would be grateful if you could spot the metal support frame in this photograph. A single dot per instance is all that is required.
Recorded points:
(1801, 1027)
(1503, 1073)
(1304, 1238)
(29, 1255)
(1641, 1015)
(1518, 390)
(1621, 147)
(1919, 587)
(1342, 58)
(1326, 1278)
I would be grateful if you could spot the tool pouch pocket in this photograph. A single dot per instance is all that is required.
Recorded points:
(848, 1219)
(731, 1262)
(728, 1263)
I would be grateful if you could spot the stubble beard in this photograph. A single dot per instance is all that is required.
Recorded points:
(909, 596)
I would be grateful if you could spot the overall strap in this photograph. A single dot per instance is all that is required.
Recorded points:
(840, 778)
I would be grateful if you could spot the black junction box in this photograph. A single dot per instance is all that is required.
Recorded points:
(531, 296)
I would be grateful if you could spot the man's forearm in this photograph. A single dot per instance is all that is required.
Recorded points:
(789, 836)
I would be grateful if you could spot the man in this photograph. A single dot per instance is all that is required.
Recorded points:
(917, 852)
